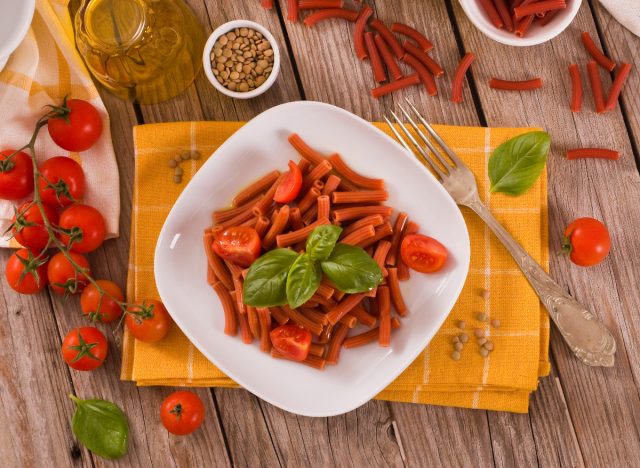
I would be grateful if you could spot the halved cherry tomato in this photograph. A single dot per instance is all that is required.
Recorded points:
(25, 274)
(84, 348)
(104, 309)
(63, 277)
(239, 245)
(587, 241)
(292, 341)
(78, 127)
(86, 225)
(182, 412)
(422, 253)
(62, 181)
(149, 322)
(28, 226)
(290, 185)
(16, 175)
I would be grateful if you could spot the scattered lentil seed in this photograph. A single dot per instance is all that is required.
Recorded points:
(195, 155)
(179, 171)
(489, 345)
(172, 163)
(462, 324)
(177, 179)
(484, 294)
(458, 346)
(495, 323)
(482, 316)
(478, 332)
(482, 341)
(484, 352)
(464, 338)
(178, 158)
(455, 355)
(185, 155)
(455, 340)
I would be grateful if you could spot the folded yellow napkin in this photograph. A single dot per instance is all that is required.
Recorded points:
(43, 70)
(501, 382)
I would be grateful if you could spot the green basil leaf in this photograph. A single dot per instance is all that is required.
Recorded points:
(303, 280)
(351, 269)
(266, 281)
(321, 241)
(101, 427)
(516, 164)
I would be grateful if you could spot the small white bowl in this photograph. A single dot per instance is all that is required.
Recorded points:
(535, 35)
(225, 28)
(14, 23)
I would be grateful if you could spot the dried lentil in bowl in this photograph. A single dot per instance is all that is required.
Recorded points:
(242, 60)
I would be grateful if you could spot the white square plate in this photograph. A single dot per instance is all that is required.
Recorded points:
(260, 146)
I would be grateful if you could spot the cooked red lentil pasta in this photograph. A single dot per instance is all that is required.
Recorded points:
(264, 316)
(330, 13)
(491, 11)
(256, 188)
(295, 219)
(411, 33)
(279, 315)
(365, 196)
(618, 84)
(508, 85)
(401, 83)
(335, 343)
(388, 37)
(221, 216)
(363, 316)
(538, 7)
(245, 332)
(293, 237)
(373, 220)
(576, 88)
(344, 307)
(361, 181)
(263, 205)
(358, 32)
(346, 214)
(230, 322)
(596, 86)
(396, 294)
(461, 71)
(388, 58)
(398, 231)
(380, 255)
(382, 232)
(604, 61)
(433, 66)
(379, 74)
(308, 200)
(368, 336)
(331, 185)
(318, 172)
(305, 150)
(359, 235)
(384, 303)
(279, 224)
(324, 206)
(254, 321)
(211, 276)
(424, 74)
(591, 153)
(312, 361)
(216, 264)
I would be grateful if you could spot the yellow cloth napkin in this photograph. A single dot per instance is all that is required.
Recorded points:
(501, 382)
(43, 70)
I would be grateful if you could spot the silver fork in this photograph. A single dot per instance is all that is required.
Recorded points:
(585, 334)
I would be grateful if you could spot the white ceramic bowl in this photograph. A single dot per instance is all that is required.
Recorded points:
(535, 35)
(225, 28)
(260, 146)
(15, 19)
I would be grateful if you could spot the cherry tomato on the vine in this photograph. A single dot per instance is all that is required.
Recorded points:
(422, 253)
(84, 348)
(78, 127)
(587, 241)
(86, 228)
(103, 309)
(26, 274)
(16, 175)
(28, 226)
(61, 182)
(148, 322)
(63, 277)
(238, 244)
(182, 412)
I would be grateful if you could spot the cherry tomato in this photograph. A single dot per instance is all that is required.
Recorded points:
(104, 309)
(16, 175)
(422, 253)
(149, 322)
(63, 278)
(87, 228)
(182, 412)
(62, 181)
(79, 126)
(28, 226)
(587, 241)
(290, 185)
(84, 348)
(25, 274)
(239, 245)
(292, 341)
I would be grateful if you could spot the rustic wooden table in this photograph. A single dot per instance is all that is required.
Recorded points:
(579, 416)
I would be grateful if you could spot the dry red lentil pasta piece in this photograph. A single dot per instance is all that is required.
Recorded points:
(335, 343)
(388, 37)
(505, 14)
(596, 86)
(396, 294)
(292, 10)
(359, 235)
(523, 25)
(254, 321)
(364, 196)
(308, 200)
(373, 220)
(256, 188)
(344, 307)
(268, 4)
(548, 17)
(245, 332)
(330, 13)
(461, 71)
(538, 7)
(331, 185)
(433, 66)
(316, 349)
(380, 255)
(216, 264)
(491, 11)
(417, 36)
(576, 88)
(379, 74)
(381, 232)
(363, 316)
(305, 150)
(388, 58)
(384, 302)
(424, 74)
(598, 153)
(401, 83)
(355, 212)
(293, 237)
(508, 85)
(311, 360)
(596, 53)
(299, 319)
(368, 336)
(345, 171)
(264, 316)
(315, 4)
(277, 227)
(398, 231)
(616, 87)
(230, 322)
(358, 31)
(318, 172)
(221, 216)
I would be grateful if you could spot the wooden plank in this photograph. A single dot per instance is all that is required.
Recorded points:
(605, 190)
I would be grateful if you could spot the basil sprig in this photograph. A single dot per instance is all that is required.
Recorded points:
(516, 164)
(282, 276)
(101, 426)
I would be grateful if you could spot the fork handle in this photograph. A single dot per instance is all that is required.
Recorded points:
(585, 334)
